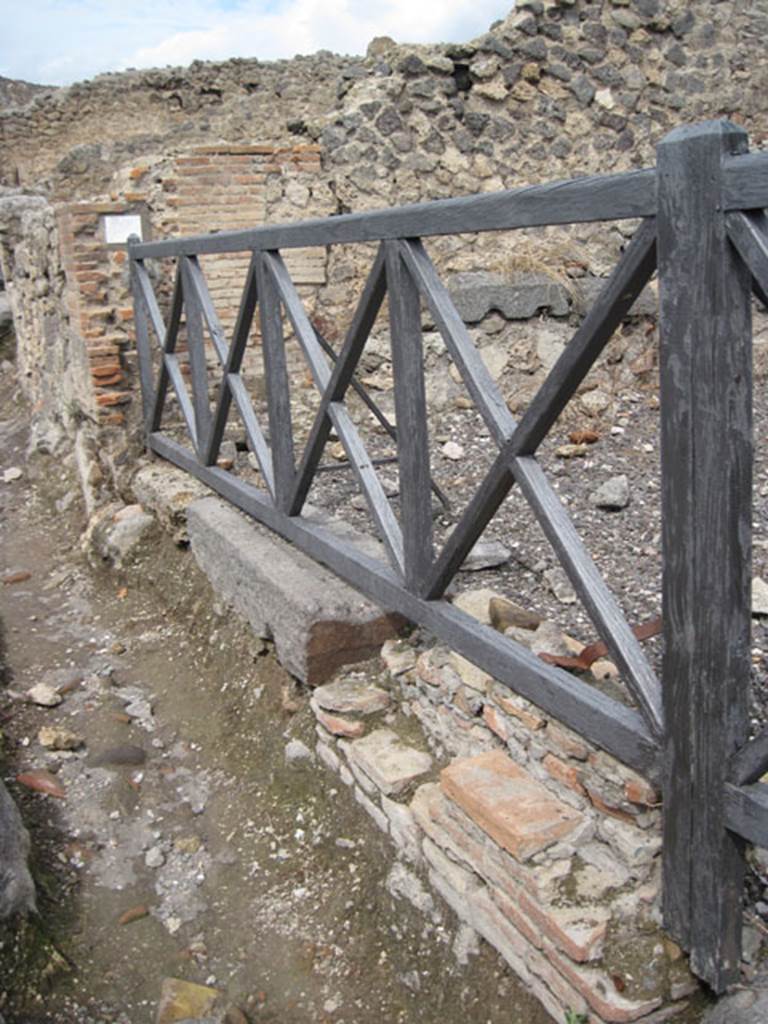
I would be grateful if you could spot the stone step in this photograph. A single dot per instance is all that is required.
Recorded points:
(317, 622)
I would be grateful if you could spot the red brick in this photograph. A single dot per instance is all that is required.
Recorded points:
(509, 805)
(563, 772)
(113, 398)
(578, 931)
(338, 725)
(495, 722)
(613, 812)
(638, 791)
(530, 719)
(105, 369)
(110, 381)
(566, 742)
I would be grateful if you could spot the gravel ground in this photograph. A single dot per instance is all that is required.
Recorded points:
(237, 867)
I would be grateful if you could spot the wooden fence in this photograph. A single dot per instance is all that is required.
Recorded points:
(703, 230)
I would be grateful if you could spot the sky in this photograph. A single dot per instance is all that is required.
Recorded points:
(57, 42)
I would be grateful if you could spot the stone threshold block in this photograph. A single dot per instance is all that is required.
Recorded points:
(317, 622)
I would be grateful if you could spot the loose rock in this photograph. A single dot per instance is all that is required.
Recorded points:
(613, 495)
(351, 696)
(57, 738)
(759, 596)
(571, 451)
(184, 1000)
(453, 451)
(486, 554)
(297, 752)
(560, 585)
(44, 695)
(505, 613)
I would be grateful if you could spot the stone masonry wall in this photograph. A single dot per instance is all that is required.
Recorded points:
(52, 363)
(70, 290)
(556, 88)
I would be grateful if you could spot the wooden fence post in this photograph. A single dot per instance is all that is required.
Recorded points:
(706, 445)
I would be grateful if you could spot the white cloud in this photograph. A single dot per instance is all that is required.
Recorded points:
(59, 41)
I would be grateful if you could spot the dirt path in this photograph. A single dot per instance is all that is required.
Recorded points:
(259, 879)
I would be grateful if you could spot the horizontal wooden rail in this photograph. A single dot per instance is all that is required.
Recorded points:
(746, 812)
(750, 763)
(573, 201)
(745, 182)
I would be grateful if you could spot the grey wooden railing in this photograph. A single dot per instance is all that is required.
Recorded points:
(702, 229)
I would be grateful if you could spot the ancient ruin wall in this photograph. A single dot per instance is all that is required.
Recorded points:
(570, 85)
(554, 90)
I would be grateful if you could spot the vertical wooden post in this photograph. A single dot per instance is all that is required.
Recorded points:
(143, 345)
(706, 444)
(411, 412)
(278, 388)
(197, 361)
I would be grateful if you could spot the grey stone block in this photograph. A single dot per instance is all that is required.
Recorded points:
(477, 294)
(318, 623)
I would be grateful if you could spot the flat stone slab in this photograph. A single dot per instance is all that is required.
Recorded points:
(318, 623)
(509, 805)
(477, 293)
(351, 696)
(389, 762)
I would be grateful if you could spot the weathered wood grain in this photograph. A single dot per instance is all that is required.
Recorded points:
(745, 181)
(482, 387)
(481, 509)
(197, 360)
(278, 388)
(167, 342)
(746, 812)
(750, 762)
(143, 347)
(231, 359)
(387, 525)
(749, 233)
(411, 413)
(706, 403)
(199, 286)
(600, 604)
(614, 302)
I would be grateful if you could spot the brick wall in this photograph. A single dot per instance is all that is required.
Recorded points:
(210, 188)
(97, 297)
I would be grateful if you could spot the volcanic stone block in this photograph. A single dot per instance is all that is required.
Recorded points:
(317, 622)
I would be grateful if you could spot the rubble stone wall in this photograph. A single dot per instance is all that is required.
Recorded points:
(556, 88)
